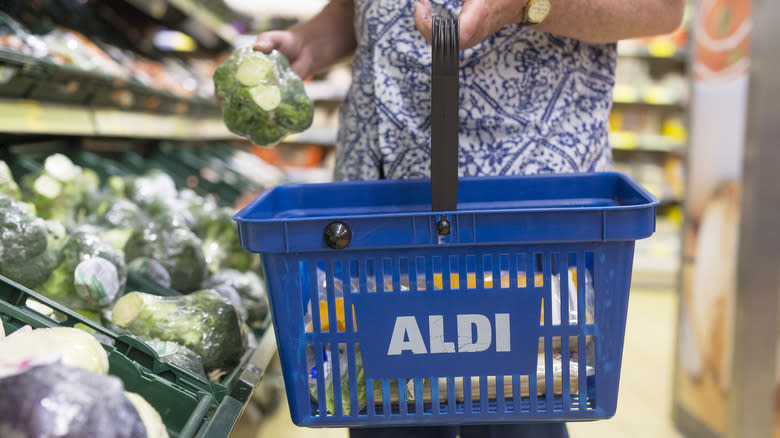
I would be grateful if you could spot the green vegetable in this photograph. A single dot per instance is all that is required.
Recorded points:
(60, 190)
(254, 69)
(205, 322)
(23, 236)
(176, 248)
(262, 99)
(8, 186)
(152, 186)
(250, 287)
(152, 270)
(91, 276)
(35, 271)
(221, 247)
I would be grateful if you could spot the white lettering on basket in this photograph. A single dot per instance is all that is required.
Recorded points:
(408, 337)
(406, 328)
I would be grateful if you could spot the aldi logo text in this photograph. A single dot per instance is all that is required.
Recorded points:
(475, 333)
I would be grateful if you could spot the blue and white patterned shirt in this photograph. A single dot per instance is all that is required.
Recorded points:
(530, 102)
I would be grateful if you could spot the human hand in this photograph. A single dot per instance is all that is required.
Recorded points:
(478, 18)
(291, 45)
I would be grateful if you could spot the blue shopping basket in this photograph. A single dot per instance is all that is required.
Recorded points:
(392, 307)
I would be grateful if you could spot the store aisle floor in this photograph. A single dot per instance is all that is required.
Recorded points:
(645, 389)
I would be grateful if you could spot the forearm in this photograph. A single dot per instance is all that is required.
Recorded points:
(330, 35)
(601, 21)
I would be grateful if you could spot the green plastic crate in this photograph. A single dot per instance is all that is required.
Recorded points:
(185, 415)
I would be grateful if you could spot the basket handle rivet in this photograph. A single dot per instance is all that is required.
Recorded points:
(338, 235)
(444, 227)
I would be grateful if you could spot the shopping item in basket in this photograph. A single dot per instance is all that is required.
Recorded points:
(483, 300)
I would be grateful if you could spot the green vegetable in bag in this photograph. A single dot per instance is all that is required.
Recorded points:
(262, 99)
(204, 321)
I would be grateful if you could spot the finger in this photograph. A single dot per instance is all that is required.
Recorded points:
(265, 43)
(282, 41)
(423, 20)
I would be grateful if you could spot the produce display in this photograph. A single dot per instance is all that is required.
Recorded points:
(79, 254)
(63, 46)
(55, 382)
(262, 98)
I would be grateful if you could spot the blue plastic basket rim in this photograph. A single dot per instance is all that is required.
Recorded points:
(652, 201)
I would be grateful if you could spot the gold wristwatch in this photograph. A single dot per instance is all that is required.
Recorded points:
(536, 11)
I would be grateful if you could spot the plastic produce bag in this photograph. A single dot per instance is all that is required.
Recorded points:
(91, 276)
(262, 98)
(179, 355)
(66, 402)
(151, 270)
(249, 286)
(175, 247)
(204, 321)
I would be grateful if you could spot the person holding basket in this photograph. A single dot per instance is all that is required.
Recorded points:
(536, 81)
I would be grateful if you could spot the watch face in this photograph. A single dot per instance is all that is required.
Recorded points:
(538, 10)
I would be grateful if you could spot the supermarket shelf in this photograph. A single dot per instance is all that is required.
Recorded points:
(631, 141)
(20, 116)
(210, 21)
(32, 117)
(655, 95)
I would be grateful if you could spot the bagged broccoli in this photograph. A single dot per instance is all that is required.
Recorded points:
(91, 276)
(60, 189)
(221, 246)
(249, 286)
(66, 402)
(23, 235)
(176, 248)
(35, 270)
(149, 187)
(151, 270)
(205, 322)
(262, 98)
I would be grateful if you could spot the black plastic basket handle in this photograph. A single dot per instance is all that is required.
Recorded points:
(444, 116)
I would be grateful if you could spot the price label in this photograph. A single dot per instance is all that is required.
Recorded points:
(32, 114)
